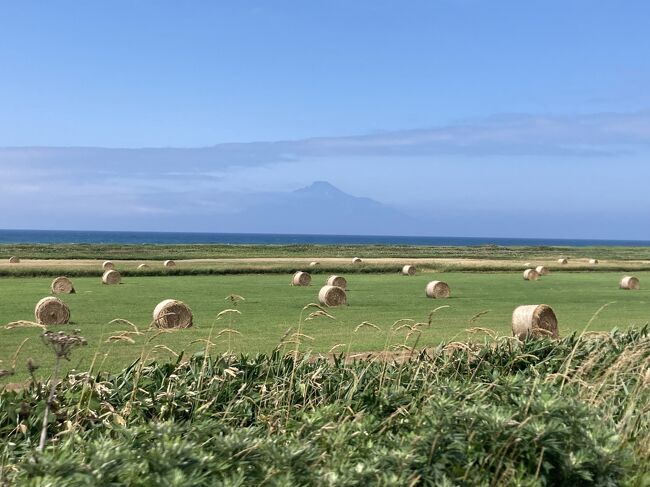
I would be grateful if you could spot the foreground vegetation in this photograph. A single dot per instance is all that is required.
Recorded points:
(567, 413)
(271, 307)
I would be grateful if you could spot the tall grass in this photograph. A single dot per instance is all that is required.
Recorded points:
(497, 412)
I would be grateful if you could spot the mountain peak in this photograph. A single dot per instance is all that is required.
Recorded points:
(320, 188)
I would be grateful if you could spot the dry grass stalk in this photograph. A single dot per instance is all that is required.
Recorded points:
(531, 275)
(301, 278)
(367, 324)
(169, 263)
(165, 348)
(159, 332)
(108, 265)
(51, 311)
(119, 338)
(542, 270)
(229, 331)
(479, 329)
(336, 347)
(111, 277)
(402, 323)
(14, 260)
(62, 285)
(534, 320)
(61, 344)
(434, 311)
(338, 281)
(408, 270)
(437, 290)
(172, 313)
(318, 314)
(204, 340)
(311, 306)
(24, 324)
(479, 315)
(629, 282)
(227, 312)
(332, 296)
(122, 321)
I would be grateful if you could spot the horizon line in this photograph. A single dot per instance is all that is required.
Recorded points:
(158, 232)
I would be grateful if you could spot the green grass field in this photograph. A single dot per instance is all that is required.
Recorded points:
(271, 307)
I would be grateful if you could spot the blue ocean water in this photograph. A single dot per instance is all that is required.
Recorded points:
(77, 236)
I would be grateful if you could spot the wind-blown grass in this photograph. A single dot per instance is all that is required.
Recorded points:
(566, 413)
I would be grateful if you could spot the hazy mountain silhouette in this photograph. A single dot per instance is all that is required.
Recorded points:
(319, 208)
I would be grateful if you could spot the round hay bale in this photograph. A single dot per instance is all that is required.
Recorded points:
(542, 270)
(14, 260)
(62, 285)
(562, 261)
(629, 282)
(408, 270)
(437, 290)
(356, 260)
(51, 311)
(314, 264)
(172, 313)
(111, 277)
(169, 263)
(338, 281)
(531, 275)
(534, 320)
(108, 265)
(301, 278)
(143, 266)
(332, 296)
(593, 261)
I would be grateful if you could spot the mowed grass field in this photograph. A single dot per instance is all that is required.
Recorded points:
(272, 307)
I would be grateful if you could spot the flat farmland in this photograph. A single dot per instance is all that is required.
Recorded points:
(272, 309)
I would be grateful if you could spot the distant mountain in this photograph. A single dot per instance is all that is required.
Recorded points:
(318, 208)
(322, 189)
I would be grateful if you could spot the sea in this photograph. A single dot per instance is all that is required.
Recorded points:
(126, 237)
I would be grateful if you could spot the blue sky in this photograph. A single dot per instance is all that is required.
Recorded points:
(493, 113)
